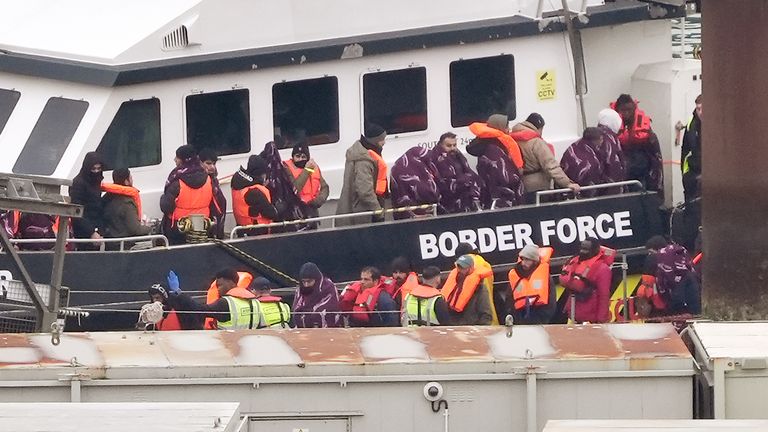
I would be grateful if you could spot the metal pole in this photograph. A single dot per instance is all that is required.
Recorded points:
(573, 308)
(530, 406)
(18, 266)
(56, 272)
(578, 60)
(624, 268)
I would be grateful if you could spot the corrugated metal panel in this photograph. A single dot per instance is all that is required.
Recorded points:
(631, 347)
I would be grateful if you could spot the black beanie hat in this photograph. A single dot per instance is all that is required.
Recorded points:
(120, 175)
(256, 165)
(300, 148)
(374, 132)
(186, 152)
(536, 119)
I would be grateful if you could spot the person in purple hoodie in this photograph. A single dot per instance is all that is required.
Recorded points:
(316, 303)
(412, 183)
(458, 186)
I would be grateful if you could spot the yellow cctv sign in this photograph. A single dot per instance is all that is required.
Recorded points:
(546, 86)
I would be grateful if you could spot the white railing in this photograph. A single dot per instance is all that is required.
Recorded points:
(334, 218)
(102, 242)
(540, 194)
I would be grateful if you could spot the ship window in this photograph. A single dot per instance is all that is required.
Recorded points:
(306, 110)
(133, 138)
(481, 87)
(8, 100)
(220, 121)
(51, 136)
(396, 100)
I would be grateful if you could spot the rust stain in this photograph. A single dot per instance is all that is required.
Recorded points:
(456, 343)
(583, 341)
(324, 345)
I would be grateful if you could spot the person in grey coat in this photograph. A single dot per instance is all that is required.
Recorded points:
(364, 187)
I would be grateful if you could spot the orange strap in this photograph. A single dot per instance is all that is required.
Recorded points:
(128, 191)
(482, 130)
(381, 173)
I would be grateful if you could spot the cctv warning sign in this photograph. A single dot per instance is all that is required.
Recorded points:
(546, 85)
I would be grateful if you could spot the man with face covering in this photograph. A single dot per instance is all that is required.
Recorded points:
(587, 278)
(316, 303)
(86, 191)
(458, 186)
(532, 299)
(307, 179)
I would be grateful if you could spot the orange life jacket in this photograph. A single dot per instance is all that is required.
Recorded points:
(170, 322)
(574, 267)
(381, 173)
(311, 187)
(458, 297)
(240, 207)
(128, 191)
(482, 130)
(640, 131)
(411, 281)
(193, 201)
(244, 280)
(534, 290)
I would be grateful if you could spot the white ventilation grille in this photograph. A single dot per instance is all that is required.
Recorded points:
(176, 39)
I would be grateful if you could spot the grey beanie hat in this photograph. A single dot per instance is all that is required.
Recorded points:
(498, 121)
(531, 252)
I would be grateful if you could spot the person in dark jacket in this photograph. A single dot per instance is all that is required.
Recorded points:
(690, 155)
(179, 309)
(208, 158)
(190, 176)
(458, 186)
(595, 159)
(316, 303)
(257, 198)
(121, 210)
(640, 144)
(364, 187)
(86, 191)
(499, 162)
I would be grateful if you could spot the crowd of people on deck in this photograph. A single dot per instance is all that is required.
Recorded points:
(467, 294)
(513, 164)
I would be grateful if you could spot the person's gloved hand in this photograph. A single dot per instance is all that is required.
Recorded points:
(173, 282)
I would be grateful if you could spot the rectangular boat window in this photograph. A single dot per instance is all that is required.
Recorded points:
(396, 100)
(220, 121)
(133, 137)
(306, 110)
(8, 100)
(481, 87)
(51, 136)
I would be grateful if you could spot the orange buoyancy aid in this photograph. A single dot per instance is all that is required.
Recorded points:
(128, 191)
(640, 130)
(169, 322)
(311, 187)
(193, 201)
(240, 207)
(365, 301)
(482, 130)
(411, 281)
(243, 281)
(381, 173)
(457, 297)
(533, 290)
(582, 269)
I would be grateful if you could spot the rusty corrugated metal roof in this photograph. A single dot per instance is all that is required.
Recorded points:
(349, 351)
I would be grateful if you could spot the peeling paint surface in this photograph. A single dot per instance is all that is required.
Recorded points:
(304, 352)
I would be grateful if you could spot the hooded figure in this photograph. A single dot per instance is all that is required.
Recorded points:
(595, 159)
(413, 183)
(365, 178)
(86, 191)
(499, 162)
(316, 303)
(284, 195)
(190, 172)
(256, 206)
(458, 186)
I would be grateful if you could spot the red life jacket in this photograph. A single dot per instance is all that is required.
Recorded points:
(170, 322)
(240, 207)
(381, 173)
(527, 135)
(193, 201)
(311, 187)
(361, 302)
(582, 285)
(482, 130)
(640, 131)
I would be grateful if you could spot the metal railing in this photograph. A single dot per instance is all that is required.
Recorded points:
(540, 194)
(102, 242)
(334, 218)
